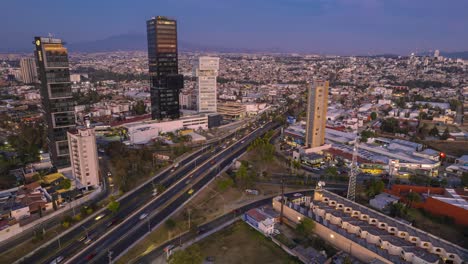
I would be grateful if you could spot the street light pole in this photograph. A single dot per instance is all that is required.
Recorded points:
(58, 238)
(109, 255)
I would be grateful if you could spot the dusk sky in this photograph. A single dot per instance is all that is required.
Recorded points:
(313, 26)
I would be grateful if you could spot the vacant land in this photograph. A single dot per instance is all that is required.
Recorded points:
(240, 243)
(454, 148)
(210, 203)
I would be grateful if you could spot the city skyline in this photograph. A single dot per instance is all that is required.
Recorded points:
(326, 27)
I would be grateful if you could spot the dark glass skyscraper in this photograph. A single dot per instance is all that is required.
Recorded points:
(56, 95)
(165, 80)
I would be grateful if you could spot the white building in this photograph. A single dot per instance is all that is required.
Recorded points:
(206, 69)
(143, 132)
(83, 156)
(28, 70)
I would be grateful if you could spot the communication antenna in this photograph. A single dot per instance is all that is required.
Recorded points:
(353, 171)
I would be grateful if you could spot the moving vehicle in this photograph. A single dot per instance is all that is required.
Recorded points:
(57, 260)
(111, 223)
(143, 216)
(87, 241)
(91, 256)
(99, 217)
(190, 191)
(81, 239)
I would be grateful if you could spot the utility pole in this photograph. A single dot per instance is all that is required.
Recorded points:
(189, 211)
(282, 198)
(109, 255)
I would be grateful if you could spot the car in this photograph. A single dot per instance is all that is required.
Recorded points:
(172, 170)
(297, 194)
(111, 223)
(109, 173)
(57, 260)
(91, 256)
(190, 192)
(242, 142)
(143, 216)
(155, 192)
(87, 241)
(97, 218)
(81, 239)
(188, 182)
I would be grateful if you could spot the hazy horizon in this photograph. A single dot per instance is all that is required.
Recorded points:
(342, 27)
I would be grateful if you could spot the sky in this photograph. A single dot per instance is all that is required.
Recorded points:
(345, 27)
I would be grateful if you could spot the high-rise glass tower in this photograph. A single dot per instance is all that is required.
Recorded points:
(206, 70)
(165, 80)
(317, 104)
(56, 95)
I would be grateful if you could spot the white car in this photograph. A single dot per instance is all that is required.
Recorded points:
(99, 217)
(143, 216)
(57, 260)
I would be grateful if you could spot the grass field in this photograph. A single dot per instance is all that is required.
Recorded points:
(240, 243)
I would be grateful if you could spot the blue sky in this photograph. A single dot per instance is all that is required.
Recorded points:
(315, 26)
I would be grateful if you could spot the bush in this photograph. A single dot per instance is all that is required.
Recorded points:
(66, 224)
(225, 184)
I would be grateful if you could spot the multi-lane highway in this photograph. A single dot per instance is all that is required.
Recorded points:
(129, 203)
(134, 226)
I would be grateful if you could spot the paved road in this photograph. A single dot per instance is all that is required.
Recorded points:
(118, 239)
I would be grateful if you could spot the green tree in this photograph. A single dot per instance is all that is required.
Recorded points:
(306, 227)
(113, 205)
(464, 179)
(191, 255)
(170, 223)
(446, 134)
(434, 132)
(65, 184)
(139, 108)
(331, 172)
(397, 210)
(373, 115)
(375, 187)
(243, 178)
(413, 197)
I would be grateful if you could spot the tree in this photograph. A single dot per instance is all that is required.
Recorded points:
(306, 227)
(170, 223)
(464, 179)
(331, 172)
(243, 178)
(139, 108)
(65, 184)
(413, 197)
(191, 255)
(375, 188)
(113, 205)
(373, 115)
(446, 134)
(397, 210)
(434, 132)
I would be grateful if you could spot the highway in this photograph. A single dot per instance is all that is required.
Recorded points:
(128, 204)
(129, 231)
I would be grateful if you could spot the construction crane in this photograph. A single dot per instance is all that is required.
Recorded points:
(353, 171)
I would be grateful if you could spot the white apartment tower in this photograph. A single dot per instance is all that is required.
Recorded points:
(83, 156)
(28, 70)
(206, 70)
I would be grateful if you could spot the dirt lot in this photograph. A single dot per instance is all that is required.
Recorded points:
(240, 243)
(454, 148)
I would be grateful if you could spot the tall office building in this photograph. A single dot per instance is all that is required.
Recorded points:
(83, 155)
(206, 70)
(56, 95)
(317, 104)
(28, 70)
(165, 80)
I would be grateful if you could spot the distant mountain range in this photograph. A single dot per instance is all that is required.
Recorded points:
(137, 41)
